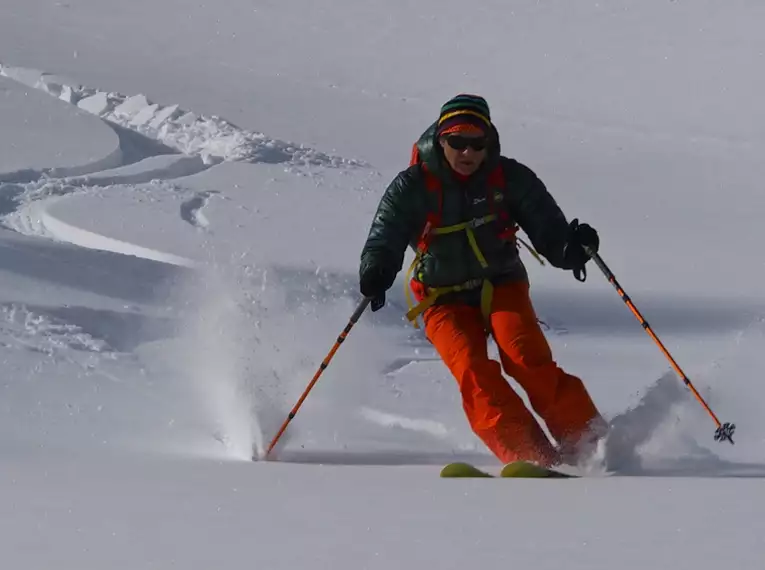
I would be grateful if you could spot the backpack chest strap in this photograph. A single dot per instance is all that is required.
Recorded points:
(468, 228)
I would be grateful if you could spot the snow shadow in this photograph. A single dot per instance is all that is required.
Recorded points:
(122, 332)
(9, 197)
(702, 468)
(597, 312)
(382, 458)
(604, 313)
(305, 285)
(108, 274)
(136, 147)
(309, 286)
(191, 210)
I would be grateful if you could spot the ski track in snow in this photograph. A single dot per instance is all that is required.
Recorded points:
(158, 143)
(191, 210)
(385, 419)
(212, 138)
(24, 209)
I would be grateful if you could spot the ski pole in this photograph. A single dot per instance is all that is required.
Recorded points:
(325, 363)
(724, 431)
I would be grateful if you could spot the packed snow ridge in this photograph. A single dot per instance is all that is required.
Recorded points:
(212, 138)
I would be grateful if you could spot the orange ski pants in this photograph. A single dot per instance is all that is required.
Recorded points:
(495, 412)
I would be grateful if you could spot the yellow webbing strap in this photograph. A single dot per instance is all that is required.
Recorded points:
(408, 289)
(487, 296)
(435, 292)
(474, 246)
(487, 289)
(464, 225)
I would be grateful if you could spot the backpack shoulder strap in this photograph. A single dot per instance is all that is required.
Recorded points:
(432, 184)
(497, 177)
(415, 157)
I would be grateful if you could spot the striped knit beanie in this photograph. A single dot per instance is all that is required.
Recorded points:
(464, 113)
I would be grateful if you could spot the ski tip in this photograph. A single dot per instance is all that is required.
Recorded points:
(460, 469)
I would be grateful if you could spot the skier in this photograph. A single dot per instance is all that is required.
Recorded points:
(459, 205)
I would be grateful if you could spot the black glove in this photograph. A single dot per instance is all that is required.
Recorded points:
(374, 282)
(574, 253)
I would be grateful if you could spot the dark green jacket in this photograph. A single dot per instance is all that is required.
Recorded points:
(402, 212)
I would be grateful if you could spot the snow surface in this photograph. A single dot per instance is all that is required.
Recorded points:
(42, 134)
(184, 192)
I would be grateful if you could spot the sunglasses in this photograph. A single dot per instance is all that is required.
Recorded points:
(458, 142)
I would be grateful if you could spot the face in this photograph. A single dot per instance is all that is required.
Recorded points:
(461, 156)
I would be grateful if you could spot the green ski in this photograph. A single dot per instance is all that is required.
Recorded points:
(463, 470)
(523, 469)
(516, 469)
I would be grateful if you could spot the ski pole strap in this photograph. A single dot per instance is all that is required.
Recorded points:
(532, 251)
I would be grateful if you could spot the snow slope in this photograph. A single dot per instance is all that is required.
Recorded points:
(48, 135)
(184, 193)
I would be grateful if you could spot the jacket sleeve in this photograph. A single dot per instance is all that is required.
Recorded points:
(537, 212)
(395, 223)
